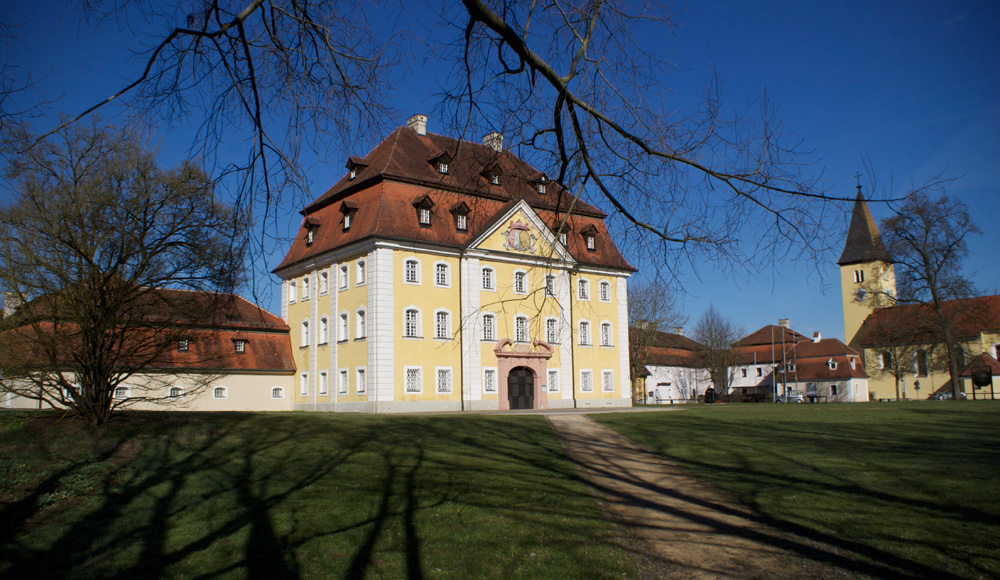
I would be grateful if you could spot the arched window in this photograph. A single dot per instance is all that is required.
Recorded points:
(219, 393)
(584, 333)
(605, 334)
(521, 328)
(361, 276)
(277, 393)
(489, 327)
(344, 333)
(551, 330)
(441, 324)
(583, 289)
(884, 360)
(550, 285)
(411, 323)
(489, 278)
(362, 323)
(305, 288)
(411, 271)
(324, 282)
(305, 333)
(441, 277)
(343, 277)
(324, 330)
(604, 292)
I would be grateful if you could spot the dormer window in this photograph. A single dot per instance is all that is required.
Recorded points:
(831, 364)
(424, 206)
(441, 161)
(354, 166)
(590, 238)
(183, 345)
(540, 185)
(240, 345)
(442, 167)
(311, 224)
(348, 208)
(461, 213)
(495, 178)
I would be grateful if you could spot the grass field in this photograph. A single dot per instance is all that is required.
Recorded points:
(296, 495)
(909, 489)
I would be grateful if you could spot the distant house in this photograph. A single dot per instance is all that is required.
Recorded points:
(237, 359)
(776, 360)
(672, 374)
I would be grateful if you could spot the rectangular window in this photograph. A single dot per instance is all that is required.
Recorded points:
(443, 380)
(412, 323)
(489, 327)
(183, 345)
(553, 381)
(552, 331)
(304, 384)
(743, 372)
(461, 222)
(361, 275)
(605, 292)
(362, 324)
(490, 380)
(521, 329)
(425, 216)
(305, 288)
(605, 334)
(441, 274)
(410, 269)
(342, 388)
(361, 382)
(550, 285)
(586, 381)
(584, 333)
(520, 283)
(833, 390)
(343, 277)
(590, 242)
(441, 325)
(241, 346)
(324, 383)
(414, 381)
(583, 290)
(760, 372)
(324, 282)
(608, 381)
(343, 327)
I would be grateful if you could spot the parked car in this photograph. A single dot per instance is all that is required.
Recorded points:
(945, 395)
(791, 397)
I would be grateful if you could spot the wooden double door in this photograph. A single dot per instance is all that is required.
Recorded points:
(521, 388)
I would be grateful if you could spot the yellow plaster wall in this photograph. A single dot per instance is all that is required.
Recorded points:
(353, 352)
(297, 312)
(595, 357)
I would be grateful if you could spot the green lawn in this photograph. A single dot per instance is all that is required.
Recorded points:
(296, 495)
(908, 489)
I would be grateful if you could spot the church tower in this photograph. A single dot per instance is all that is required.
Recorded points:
(867, 276)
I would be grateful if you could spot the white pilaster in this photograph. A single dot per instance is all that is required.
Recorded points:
(314, 336)
(565, 336)
(472, 384)
(333, 384)
(381, 332)
(284, 301)
(623, 348)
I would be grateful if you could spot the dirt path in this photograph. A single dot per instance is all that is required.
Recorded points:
(684, 528)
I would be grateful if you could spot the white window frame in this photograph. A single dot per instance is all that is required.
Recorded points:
(607, 381)
(324, 383)
(583, 290)
(360, 274)
(304, 384)
(550, 285)
(305, 287)
(583, 332)
(420, 380)
(439, 267)
(416, 271)
(447, 373)
(589, 374)
(604, 291)
(518, 337)
(304, 333)
(418, 321)
(361, 380)
(216, 391)
(489, 333)
(324, 330)
(553, 385)
(461, 222)
(175, 393)
(324, 282)
(590, 240)
(760, 372)
(240, 345)
(607, 339)
(343, 326)
(486, 372)
(126, 392)
(523, 278)
(343, 380)
(361, 323)
(291, 291)
(492, 279)
(424, 216)
(277, 392)
(442, 333)
(555, 333)
(564, 239)
(343, 282)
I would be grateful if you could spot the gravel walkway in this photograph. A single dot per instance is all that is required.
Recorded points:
(679, 526)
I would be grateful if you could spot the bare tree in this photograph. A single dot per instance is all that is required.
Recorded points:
(652, 309)
(928, 239)
(98, 247)
(717, 333)
(577, 91)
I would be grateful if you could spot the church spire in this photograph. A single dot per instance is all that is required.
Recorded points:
(864, 244)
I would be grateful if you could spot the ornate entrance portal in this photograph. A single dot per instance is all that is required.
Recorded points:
(522, 369)
(521, 388)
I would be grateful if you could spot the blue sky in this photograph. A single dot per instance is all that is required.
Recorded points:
(914, 86)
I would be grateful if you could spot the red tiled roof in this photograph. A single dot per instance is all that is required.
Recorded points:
(914, 323)
(770, 334)
(399, 172)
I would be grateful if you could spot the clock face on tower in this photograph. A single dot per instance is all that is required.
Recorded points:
(859, 294)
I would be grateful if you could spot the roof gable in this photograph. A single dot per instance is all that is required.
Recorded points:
(520, 230)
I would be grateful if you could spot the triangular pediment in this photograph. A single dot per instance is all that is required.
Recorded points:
(520, 230)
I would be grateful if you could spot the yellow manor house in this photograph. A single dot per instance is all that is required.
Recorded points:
(443, 275)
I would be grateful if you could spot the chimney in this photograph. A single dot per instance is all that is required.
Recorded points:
(494, 140)
(783, 323)
(817, 336)
(679, 330)
(418, 123)
(11, 302)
